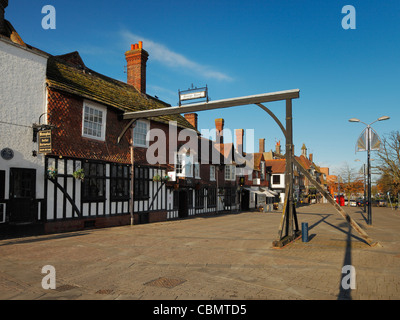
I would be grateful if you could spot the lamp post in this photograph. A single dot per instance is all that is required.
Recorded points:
(364, 182)
(368, 142)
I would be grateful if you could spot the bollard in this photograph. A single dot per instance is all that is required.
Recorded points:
(304, 231)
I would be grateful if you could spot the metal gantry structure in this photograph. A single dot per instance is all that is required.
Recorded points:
(289, 228)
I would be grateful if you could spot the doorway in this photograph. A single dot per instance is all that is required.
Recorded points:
(183, 204)
(22, 195)
(245, 201)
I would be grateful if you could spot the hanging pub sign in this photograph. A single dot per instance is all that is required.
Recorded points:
(44, 141)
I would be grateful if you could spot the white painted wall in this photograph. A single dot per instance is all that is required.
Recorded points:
(22, 101)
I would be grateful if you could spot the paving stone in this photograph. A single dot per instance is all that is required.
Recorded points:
(221, 257)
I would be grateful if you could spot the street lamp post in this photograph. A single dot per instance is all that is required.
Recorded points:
(368, 142)
(364, 183)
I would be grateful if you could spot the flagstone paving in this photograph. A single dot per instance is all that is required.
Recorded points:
(218, 257)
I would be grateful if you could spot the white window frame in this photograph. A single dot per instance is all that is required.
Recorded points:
(196, 170)
(230, 174)
(98, 108)
(186, 165)
(212, 173)
(138, 126)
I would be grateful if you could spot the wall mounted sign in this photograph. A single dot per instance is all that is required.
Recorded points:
(7, 154)
(45, 141)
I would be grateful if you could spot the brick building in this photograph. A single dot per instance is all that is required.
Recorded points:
(85, 179)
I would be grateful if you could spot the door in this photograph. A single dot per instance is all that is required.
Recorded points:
(183, 204)
(23, 204)
(245, 201)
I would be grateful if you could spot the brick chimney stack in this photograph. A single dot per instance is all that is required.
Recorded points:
(239, 140)
(219, 126)
(278, 148)
(3, 6)
(261, 147)
(192, 119)
(136, 67)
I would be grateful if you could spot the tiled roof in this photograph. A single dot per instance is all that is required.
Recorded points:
(277, 165)
(91, 85)
(304, 161)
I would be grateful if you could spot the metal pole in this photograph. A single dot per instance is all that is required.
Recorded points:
(365, 189)
(369, 176)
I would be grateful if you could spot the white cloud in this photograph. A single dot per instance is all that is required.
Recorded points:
(169, 58)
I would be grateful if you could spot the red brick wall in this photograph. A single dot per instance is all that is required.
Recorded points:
(65, 112)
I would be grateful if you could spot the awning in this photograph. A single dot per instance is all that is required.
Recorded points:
(269, 193)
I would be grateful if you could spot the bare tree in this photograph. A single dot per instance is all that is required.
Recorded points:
(352, 181)
(389, 163)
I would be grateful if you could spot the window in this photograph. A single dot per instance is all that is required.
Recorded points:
(183, 165)
(190, 198)
(120, 177)
(199, 198)
(2, 184)
(212, 173)
(230, 196)
(94, 121)
(230, 172)
(179, 164)
(140, 134)
(93, 188)
(276, 179)
(262, 169)
(141, 183)
(211, 197)
(197, 170)
(176, 200)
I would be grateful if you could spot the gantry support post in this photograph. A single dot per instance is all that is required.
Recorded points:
(289, 229)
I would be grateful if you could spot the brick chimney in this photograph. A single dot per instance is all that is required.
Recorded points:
(219, 126)
(310, 157)
(261, 147)
(239, 140)
(3, 6)
(278, 147)
(136, 67)
(192, 119)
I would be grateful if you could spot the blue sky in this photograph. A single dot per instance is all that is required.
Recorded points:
(241, 48)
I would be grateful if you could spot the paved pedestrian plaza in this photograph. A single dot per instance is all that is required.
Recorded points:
(218, 257)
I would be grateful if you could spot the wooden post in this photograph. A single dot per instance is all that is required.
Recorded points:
(132, 203)
(289, 222)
